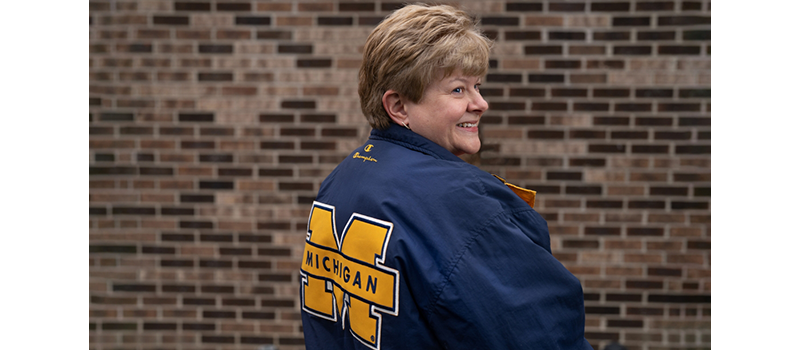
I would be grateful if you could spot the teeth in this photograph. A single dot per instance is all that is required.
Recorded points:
(466, 125)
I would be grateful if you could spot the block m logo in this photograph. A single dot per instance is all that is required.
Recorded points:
(345, 277)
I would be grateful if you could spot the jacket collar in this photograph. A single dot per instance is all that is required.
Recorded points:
(409, 139)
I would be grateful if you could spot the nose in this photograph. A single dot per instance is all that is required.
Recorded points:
(477, 104)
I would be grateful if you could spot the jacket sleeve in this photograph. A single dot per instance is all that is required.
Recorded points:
(505, 291)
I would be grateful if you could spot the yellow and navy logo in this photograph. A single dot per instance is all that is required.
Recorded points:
(346, 277)
(367, 148)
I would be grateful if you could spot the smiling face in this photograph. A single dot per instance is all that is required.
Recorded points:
(449, 112)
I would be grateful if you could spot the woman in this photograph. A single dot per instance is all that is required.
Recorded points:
(410, 247)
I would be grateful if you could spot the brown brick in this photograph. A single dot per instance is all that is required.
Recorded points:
(588, 78)
(293, 21)
(580, 50)
(534, 21)
(581, 217)
(686, 259)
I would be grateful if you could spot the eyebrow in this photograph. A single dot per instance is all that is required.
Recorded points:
(464, 80)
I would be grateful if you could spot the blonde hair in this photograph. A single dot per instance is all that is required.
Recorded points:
(413, 46)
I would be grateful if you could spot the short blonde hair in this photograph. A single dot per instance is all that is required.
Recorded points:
(413, 46)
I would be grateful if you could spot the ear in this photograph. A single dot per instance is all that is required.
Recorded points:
(395, 107)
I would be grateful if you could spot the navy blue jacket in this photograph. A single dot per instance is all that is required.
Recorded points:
(410, 247)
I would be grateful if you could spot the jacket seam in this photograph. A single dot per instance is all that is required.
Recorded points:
(475, 233)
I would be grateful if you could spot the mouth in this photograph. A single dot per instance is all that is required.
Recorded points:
(467, 125)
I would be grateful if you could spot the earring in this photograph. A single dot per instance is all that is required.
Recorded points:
(406, 125)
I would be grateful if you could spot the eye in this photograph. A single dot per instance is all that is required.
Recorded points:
(458, 90)
(478, 87)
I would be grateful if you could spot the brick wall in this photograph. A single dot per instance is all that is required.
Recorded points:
(212, 124)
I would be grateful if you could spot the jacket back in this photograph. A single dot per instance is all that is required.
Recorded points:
(409, 247)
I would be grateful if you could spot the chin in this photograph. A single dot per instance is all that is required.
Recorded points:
(472, 149)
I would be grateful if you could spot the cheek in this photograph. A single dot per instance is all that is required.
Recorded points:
(454, 111)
